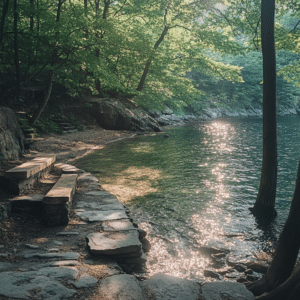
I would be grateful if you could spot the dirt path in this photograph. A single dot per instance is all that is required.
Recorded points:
(69, 147)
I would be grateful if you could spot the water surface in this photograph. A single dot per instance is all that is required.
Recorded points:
(195, 187)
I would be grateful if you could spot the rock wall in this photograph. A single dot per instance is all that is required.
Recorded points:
(121, 115)
(11, 135)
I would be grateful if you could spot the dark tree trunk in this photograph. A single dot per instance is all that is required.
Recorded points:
(85, 7)
(16, 49)
(45, 100)
(3, 17)
(286, 251)
(149, 61)
(289, 290)
(31, 17)
(264, 208)
(43, 104)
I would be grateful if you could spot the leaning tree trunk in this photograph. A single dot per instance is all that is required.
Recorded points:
(264, 208)
(2, 22)
(286, 250)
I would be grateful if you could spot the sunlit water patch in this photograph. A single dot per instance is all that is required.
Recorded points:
(195, 188)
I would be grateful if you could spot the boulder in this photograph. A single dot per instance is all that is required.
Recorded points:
(121, 115)
(11, 135)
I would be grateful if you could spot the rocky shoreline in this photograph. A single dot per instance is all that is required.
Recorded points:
(167, 117)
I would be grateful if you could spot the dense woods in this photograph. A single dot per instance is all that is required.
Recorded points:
(155, 52)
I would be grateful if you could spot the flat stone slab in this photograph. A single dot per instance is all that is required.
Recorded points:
(62, 191)
(87, 178)
(117, 225)
(100, 206)
(29, 198)
(30, 168)
(166, 287)
(101, 216)
(5, 266)
(226, 290)
(85, 281)
(99, 193)
(63, 255)
(60, 273)
(114, 243)
(60, 263)
(21, 285)
(120, 287)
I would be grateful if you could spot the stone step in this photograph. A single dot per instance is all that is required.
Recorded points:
(29, 135)
(62, 191)
(70, 131)
(29, 203)
(114, 243)
(18, 179)
(30, 168)
(28, 130)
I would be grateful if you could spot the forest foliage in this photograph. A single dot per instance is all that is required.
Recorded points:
(179, 52)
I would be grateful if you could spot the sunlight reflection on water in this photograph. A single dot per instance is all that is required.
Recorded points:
(195, 189)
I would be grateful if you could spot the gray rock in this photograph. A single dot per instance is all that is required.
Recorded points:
(21, 285)
(60, 263)
(165, 287)
(100, 206)
(100, 216)
(121, 114)
(134, 260)
(86, 177)
(11, 135)
(114, 243)
(67, 233)
(57, 243)
(225, 290)
(85, 281)
(98, 193)
(120, 287)
(32, 246)
(64, 255)
(212, 274)
(118, 225)
(5, 266)
(65, 273)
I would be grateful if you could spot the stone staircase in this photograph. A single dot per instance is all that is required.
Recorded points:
(65, 125)
(29, 132)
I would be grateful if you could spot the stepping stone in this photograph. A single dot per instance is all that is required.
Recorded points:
(5, 266)
(114, 243)
(30, 168)
(121, 287)
(99, 193)
(20, 285)
(165, 287)
(62, 191)
(85, 281)
(60, 263)
(102, 200)
(60, 273)
(99, 206)
(226, 290)
(32, 246)
(118, 225)
(38, 198)
(101, 216)
(67, 233)
(64, 255)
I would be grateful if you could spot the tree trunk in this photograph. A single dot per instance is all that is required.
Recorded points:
(289, 290)
(3, 17)
(286, 250)
(43, 104)
(149, 61)
(16, 49)
(264, 208)
(45, 100)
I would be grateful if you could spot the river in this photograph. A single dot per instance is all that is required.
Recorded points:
(194, 188)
